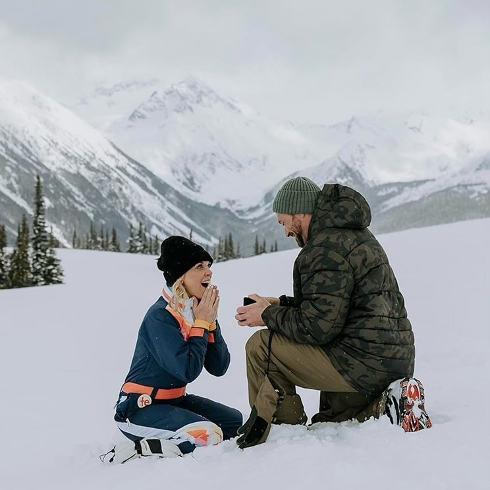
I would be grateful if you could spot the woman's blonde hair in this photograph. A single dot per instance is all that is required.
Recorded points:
(179, 295)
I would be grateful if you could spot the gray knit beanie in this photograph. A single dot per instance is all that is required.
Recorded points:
(296, 196)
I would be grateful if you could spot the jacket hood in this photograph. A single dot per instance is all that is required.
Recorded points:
(340, 206)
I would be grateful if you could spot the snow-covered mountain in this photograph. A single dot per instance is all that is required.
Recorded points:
(185, 158)
(204, 144)
(213, 149)
(85, 176)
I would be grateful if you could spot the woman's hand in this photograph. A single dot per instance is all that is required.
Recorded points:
(207, 308)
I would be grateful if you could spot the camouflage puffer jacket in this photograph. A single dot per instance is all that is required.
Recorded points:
(346, 297)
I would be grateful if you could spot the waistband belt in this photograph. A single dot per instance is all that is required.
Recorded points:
(155, 393)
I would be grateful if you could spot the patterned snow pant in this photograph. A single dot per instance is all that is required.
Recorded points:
(189, 420)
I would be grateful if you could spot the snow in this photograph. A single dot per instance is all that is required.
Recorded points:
(191, 137)
(65, 350)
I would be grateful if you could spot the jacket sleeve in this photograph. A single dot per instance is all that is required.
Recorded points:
(217, 356)
(323, 287)
(182, 359)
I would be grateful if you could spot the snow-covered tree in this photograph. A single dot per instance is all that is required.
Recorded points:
(53, 273)
(40, 238)
(20, 274)
(3, 257)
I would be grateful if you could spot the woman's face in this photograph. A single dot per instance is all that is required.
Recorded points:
(197, 279)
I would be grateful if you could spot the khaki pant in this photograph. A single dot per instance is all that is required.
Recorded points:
(291, 364)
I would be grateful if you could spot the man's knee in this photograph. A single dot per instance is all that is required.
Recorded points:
(256, 346)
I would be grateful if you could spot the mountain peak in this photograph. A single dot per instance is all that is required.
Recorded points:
(181, 97)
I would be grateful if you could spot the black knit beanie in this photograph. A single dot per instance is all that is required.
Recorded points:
(177, 255)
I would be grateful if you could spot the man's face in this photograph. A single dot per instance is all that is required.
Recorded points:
(292, 227)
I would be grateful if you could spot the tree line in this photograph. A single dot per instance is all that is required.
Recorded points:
(33, 260)
(138, 242)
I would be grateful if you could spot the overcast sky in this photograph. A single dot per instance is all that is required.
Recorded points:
(318, 61)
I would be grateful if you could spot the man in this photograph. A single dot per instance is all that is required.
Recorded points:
(345, 332)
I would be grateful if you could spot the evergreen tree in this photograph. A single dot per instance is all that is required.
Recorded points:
(114, 244)
(131, 241)
(229, 250)
(139, 241)
(91, 243)
(256, 245)
(74, 239)
(40, 238)
(221, 250)
(20, 274)
(144, 240)
(100, 238)
(53, 273)
(46, 268)
(3, 257)
(156, 245)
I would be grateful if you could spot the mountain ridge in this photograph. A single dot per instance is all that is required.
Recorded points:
(214, 171)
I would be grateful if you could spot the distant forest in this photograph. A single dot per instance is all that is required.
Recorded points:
(33, 261)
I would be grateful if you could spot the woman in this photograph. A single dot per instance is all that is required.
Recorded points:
(179, 336)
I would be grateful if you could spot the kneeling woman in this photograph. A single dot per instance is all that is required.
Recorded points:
(179, 336)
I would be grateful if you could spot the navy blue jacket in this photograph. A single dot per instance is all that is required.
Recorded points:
(170, 352)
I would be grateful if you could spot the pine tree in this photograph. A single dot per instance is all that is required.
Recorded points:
(229, 248)
(114, 244)
(20, 274)
(91, 243)
(100, 238)
(131, 241)
(256, 245)
(144, 240)
(156, 245)
(3, 257)
(139, 245)
(221, 250)
(40, 238)
(53, 273)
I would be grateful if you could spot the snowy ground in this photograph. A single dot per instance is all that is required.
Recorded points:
(65, 350)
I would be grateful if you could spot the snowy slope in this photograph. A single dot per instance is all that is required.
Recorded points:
(64, 351)
(85, 176)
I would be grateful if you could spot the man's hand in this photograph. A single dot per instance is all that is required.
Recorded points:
(251, 315)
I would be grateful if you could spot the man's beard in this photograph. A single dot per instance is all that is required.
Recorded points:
(298, 234)
(299, 240)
